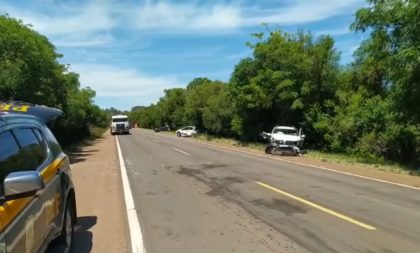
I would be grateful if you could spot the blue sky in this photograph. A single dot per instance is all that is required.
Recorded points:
(130, 51)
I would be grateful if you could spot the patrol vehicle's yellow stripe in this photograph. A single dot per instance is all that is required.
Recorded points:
(11, 209)
(51, 170)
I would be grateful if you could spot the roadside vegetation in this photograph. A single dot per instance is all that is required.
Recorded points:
(368, 109)
(30, 72)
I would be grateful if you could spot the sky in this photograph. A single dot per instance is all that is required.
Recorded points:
(129, 51)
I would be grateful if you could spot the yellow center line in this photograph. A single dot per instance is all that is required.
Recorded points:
(314, 205)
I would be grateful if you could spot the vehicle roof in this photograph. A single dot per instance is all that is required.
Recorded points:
(8, 119)
(119, 116)
(285, 127)
(14, 110)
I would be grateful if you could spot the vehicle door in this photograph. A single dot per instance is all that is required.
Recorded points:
(23, 222)
(188, 131)
(56, 185)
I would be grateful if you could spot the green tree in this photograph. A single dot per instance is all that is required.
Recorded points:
(30, 71)
(393, 50)
(288, 73)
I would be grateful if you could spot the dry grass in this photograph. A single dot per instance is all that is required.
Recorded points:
(377, 163)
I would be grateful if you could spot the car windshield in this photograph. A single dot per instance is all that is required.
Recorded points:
(285, 131)
(120, 120)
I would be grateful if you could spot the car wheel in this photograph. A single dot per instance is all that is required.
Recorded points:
(268, 150)
(178, 134)
(66, 236)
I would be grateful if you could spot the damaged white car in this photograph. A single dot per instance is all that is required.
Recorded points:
(284, 140)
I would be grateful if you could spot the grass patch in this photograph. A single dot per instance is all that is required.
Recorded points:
(373, 162)
(95, 133)
(231, 142)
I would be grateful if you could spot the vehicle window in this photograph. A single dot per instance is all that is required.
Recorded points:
(55, 147)
(35, 152)
(41, 139)
(285, 131)
(11, 157)
(120, 120)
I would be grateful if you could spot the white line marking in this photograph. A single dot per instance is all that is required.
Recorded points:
(136, 236)
(185, 153)
(314, 166)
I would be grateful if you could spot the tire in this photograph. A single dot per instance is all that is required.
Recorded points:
(269, 150)
(178, 134)
(67, 232)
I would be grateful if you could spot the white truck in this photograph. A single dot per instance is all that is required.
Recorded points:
(120, 125)
(284, 140)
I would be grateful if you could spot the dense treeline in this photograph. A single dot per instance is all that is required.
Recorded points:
(369, 108)
(30, 72)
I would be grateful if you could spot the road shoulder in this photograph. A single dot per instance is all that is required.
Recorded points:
(102, 220)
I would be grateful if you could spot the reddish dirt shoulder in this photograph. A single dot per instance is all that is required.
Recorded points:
(102, 220)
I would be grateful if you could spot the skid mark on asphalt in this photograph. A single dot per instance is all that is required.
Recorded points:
(210, 166)
(281, 205)
(319, 207)
(219, 186)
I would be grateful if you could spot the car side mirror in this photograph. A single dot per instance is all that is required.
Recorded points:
(22, 184)
(265, 135)
(303, 136)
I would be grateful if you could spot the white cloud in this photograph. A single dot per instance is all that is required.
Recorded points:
(182, 17)
(84, 40)
(88, 24)
(300, 12)
(334, 32)
(109, 81)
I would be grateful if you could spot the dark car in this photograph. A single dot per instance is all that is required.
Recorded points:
(38, 202)
(162, 129)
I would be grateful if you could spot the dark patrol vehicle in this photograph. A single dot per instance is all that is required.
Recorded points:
(37, 198)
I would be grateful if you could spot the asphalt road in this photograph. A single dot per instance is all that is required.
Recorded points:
(192, 197)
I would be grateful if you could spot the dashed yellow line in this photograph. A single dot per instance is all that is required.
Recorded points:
(314, 205)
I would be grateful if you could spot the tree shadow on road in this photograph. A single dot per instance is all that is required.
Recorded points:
(82, 238)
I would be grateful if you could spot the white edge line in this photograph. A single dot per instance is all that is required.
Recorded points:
(136, 236)
(314, 166)
(185, 153)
